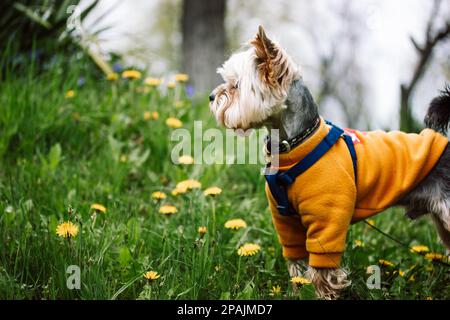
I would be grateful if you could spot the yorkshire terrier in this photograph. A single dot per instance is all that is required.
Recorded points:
(263, 87)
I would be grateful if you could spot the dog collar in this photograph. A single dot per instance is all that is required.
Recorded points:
(288, 145)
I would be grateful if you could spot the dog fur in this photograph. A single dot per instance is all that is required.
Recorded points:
(262, 87)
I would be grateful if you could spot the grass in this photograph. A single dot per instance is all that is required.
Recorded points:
(58, 153)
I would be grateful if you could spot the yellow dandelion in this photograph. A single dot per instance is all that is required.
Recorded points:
(188, 185)
(300, 281)
(202, 230)
(235, 224)
(168, 209)
(171, 85)
(276, 290)
(113, 76)
(385, 263)
(212, 192)
(181, 77)
(371, 222)
(217, 268)
(155, 115)
(151, 275)
(248, 249)
(131, 74)
(70, 94)
(435, 256)
(412, 278)
(158, 195)
(98, 207)
(147, 115)
(358, 243)
(178, 191)
(429, 298)
(186, 159)
(67, 230)
(400, 272)
(419, 249)
(174, 123)
(123, 158)
(152, 82)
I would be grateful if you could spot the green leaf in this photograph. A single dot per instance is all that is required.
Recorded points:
(247, 293)
(307, 292)
(124, 257)
(225, 296)
(54, 157)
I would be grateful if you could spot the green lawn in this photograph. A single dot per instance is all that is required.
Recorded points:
(58, 153)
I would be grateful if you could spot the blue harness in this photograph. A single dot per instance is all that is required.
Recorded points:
(279, 182)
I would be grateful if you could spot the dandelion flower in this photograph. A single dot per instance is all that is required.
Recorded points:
(113, 76)
(202, 230)
(276, 290)
(419, 249)
(174, 123)
(168, 209)
(178, 191)
(151, 275)
(385, 263)
(131, 74)
(158, 195)
(429, 298)
(147, 115)
(371, 222)
(185, 159)
(67, 230)
(435, 257)
(188, 185)
(98, 207)
(212, 192)
(123, 158)
(412, 278)
(300, 281)
(181, 77)
(235, 224)
(358, 243)
(248, 249)
(400, 272)
(70, 94)
(171, 85)
(152, 82)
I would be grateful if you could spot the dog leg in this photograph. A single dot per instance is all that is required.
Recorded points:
(328, 281)
(297, 268)
(443, 232)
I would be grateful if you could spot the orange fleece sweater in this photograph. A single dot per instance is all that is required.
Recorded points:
(390, 164)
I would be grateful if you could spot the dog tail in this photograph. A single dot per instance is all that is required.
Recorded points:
(438, 115)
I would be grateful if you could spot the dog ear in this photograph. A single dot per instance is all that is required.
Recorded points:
(271, 61)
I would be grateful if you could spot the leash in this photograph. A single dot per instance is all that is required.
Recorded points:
(404, 244)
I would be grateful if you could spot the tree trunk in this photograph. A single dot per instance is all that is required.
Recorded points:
(203, 42)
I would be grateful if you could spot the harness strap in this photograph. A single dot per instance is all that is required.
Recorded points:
(278, 182)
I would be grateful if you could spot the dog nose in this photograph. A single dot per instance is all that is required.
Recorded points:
(212, 96)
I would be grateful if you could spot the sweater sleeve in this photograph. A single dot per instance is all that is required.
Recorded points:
(290, 230)
(327, 222)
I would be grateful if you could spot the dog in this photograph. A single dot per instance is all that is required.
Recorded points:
(351, 181)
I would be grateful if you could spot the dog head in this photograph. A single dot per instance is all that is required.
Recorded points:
(256, 83)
